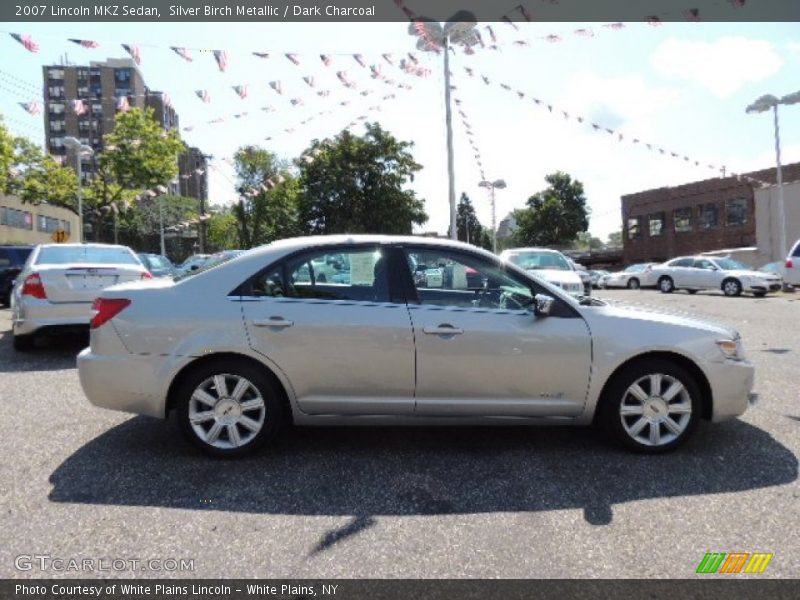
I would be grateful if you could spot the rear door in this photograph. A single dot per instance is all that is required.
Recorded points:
(345, 343)
(79, 273)
(680, 270)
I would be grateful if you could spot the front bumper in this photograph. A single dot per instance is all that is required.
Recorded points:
(731, 388)
(765, 287)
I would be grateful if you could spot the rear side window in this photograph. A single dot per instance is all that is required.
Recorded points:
(63, 255)
(796, 251)
(352, 274)
(681, 262)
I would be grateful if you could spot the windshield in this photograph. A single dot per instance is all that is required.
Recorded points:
(104, 255)
(540, 260)
(728, 264)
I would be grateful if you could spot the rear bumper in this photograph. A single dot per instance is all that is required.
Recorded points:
(33, 316)
(126, 382)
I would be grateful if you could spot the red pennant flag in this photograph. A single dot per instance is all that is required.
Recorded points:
(167, 99)
(78, 107)
(296, 101)
(359, 59)
(241, 91)
(505, 19)
(323, 93)
(692, 14)
(525, 14)
(413, 58)
(584, 32)
(203, 95)
(26, 41)
(521, 95)
(326, 60)
(261, 54)
(375, 72)
(183, 53)
(293, 58)
(222, 59)
(134, 51)
(469, 71)
(276, 85)
(122, 104)
(505, 86)
(32, 108)
(85, 43)
(485, 79)
(615, 26)
(521, 43)
(492, 36)
(387, 58)
(552, 38)
(654, 20)
(309, 80)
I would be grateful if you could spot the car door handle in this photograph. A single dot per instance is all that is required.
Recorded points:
(273, 322)
(443, 329)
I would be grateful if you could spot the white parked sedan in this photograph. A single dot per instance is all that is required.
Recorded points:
(550, 265)
(693, 273)
(240, 349)
(633, 277)
(56, 287)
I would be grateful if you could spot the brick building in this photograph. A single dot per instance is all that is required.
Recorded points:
(703, 216)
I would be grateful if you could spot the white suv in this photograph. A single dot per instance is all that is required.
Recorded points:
(791, 272)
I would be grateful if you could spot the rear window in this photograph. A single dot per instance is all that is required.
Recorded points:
(62, 255)
(14, 257)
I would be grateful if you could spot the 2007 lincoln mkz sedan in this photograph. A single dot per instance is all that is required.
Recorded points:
(352, 330)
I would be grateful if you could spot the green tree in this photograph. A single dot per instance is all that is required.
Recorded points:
(468, 227)
(554, 216)
(140, 226)
(6, 155)
(40, 178)
(221, 230)
(268, 205)
(615, 239)
(585, 241)
(355, 184)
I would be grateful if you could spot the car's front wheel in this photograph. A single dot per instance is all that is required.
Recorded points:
(651, 406)
(633, 284)
(732, 287)
(229, 409)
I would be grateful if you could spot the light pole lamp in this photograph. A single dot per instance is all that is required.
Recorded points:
(763, 104)
(499, 184)
(81, 150)
(433, 37)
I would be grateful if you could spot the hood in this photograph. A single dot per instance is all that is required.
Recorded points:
(557, 275)
(760, 274)
(666, 318)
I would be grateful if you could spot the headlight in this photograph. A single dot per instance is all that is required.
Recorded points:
(731, 349)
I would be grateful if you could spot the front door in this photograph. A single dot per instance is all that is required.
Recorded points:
(326, 320)
(480, 349)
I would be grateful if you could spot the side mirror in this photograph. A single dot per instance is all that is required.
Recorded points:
(542, 303)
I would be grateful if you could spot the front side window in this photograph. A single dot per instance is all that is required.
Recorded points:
(682, 218)
(702, 263)
(728, 264)
(656, 224)
(447, 278)
(736, 211)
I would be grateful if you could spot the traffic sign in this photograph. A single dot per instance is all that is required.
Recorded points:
(60, 236)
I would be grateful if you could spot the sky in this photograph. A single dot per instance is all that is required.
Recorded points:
(679, 86)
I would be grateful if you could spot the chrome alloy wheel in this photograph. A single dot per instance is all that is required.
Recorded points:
(226, 411)
(655, 409)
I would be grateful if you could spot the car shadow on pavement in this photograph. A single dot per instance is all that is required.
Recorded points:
(368, 472)
(50, 354)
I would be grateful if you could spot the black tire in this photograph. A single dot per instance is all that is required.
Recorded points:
(666, 285)
(692, 291)
(759, 294)
(615, 394)
(731, 287)
(633, 284)
(274, 412)
(24, 343)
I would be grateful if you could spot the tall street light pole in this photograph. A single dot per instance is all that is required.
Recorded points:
(433, 37)
(763, 104)
(81, 150)
(499, 184)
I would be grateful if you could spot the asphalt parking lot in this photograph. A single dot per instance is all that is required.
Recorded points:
(451, 502)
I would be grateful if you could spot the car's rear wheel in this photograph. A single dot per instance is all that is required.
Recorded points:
(633, 283)
(732, 287)
(666, 285)
(651, 406)
(24, 343)
(229, 409)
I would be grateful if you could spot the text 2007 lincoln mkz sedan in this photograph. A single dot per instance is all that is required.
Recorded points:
(241, 348)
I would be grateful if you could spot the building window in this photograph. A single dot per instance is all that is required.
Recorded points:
(122, 75)
(97, 108)
(682, 217)
(48, 224)
(656, 224)
(708, 216)
(736, 211)
(66, 227)
(83, 91)
(18, 219)
(55, 74)
(57, 125)
(56, 108)
(634, 228)
(55, 91)
(57, 142)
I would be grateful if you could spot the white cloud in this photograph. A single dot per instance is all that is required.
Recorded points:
(793, 47)
(723, 66)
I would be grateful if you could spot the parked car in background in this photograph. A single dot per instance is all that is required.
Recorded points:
(776, 268)
(263, 347)
(586, 278)
(55, 290)
(158, 265)
(212, 261)
(194, 262)
(550, 265)
(12, 259)
(633, 277)
(791, 274)
(595, 276)
(694, 273)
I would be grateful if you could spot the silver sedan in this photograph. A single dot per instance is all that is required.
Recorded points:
(242, 348)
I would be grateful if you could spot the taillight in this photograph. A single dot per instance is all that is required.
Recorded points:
(32, 286)
(789, 263)
(147, 275)
(107, 309)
